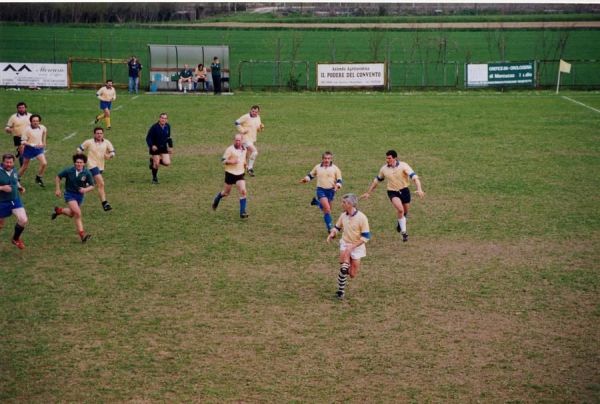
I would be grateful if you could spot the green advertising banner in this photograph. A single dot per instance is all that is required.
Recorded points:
(501, 74)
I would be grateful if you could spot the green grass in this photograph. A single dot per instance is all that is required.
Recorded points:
(495, 297)
(57, 43)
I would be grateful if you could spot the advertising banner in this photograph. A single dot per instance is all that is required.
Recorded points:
(500, 74)
(33, 75)
(351, 75)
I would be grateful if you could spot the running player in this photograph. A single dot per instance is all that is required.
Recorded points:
(33, 140)
(354, 226)
(106, 94)
(329, 180)
(234, 162)
(398, 175)
(16, 125)
(78, 182)
(10, 202)
(249, 125)
(98, 149)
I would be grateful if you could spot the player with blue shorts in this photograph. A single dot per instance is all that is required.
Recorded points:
(10, 202)
(329, 180)
(106, 94)
(98, 150)
(34, 140)
(78, 182)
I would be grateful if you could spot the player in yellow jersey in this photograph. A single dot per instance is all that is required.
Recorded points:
(354, 226)
(234, 162)
(16, 125)
(329, 180)
(249, 125)
(98, 150)
(34, 140)
(398, 175)
(106, 94)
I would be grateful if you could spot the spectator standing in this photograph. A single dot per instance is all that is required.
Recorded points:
(135, 68)
(215, 71)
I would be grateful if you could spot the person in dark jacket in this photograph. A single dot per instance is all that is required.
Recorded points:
(215, 71)
(160, 145)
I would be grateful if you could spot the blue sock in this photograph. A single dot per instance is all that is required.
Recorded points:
(327, 220)
(218, 197)
(242, 205)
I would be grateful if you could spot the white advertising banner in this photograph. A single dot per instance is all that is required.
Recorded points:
(33, 75)
(351, 75)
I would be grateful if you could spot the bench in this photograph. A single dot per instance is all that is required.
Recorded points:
(166, 79)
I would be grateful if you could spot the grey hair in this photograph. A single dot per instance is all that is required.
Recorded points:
(351, 198)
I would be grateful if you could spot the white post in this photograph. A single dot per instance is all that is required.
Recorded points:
(558, 80)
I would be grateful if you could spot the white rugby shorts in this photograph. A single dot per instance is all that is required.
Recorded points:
(357, 253)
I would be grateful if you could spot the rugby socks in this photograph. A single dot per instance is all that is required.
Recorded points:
(81, 234)
(402, 223)
(107, 122)
(216, 201)
(242, 205)
(343, 278)
(251, 160)
(18, 230)
(58, 211)
(327, 220)
(154, 173)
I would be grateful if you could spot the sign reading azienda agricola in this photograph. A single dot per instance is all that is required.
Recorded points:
(500, 74)
(351, 75)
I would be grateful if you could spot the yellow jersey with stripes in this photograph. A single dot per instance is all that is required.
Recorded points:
(97, 152)
(240, 154)
(398, 176)
(33, 137)
(251, 124)
(106, 94)
(18, 123)
(327, 177)
(354, 227)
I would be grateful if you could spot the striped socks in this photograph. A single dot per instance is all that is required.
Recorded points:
(342, 278)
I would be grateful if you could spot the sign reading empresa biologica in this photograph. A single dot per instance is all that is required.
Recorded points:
(351, 75)
(501, 74)
(33, 75)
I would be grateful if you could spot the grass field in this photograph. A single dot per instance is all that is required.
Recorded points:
(494, 298)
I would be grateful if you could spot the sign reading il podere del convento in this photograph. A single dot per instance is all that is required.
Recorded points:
(351, 75)
(501, 74)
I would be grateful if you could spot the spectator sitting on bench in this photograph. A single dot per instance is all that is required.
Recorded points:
(201, 77)
(185, 76)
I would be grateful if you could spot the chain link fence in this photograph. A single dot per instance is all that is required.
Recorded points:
(299, 75)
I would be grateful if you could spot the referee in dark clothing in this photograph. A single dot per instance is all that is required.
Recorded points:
(160, 145)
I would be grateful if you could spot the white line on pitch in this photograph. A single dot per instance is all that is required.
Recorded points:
(118, 108)
(69, 136)
(581, 103)
(134, 97)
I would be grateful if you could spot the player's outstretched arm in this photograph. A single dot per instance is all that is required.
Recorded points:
(371, 188)
(419, 190)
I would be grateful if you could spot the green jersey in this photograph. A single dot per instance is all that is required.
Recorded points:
(76, 180)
